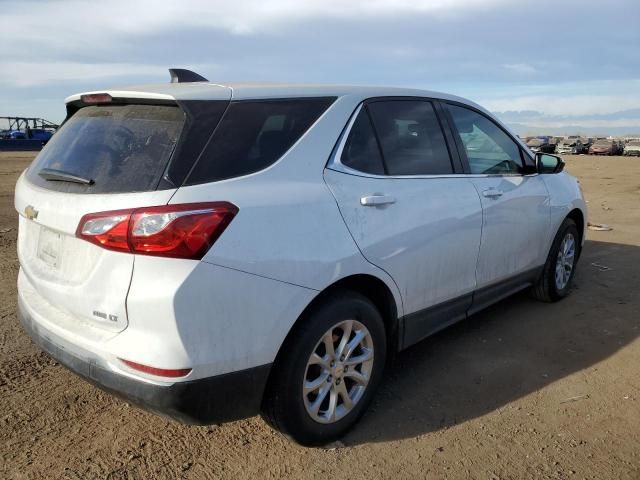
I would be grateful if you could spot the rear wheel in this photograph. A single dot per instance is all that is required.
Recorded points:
(327, 371)
(559, 269)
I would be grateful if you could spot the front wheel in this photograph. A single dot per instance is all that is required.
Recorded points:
(327, 371)
(559, 269)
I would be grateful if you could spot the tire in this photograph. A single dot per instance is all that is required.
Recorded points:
(288, 409)
(548, 288)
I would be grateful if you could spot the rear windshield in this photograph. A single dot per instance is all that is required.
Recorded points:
(120, 148)
(253, 135)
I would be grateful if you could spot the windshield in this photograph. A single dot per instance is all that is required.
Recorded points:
(121, 148)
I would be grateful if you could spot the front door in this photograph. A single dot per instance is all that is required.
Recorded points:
(516, 212)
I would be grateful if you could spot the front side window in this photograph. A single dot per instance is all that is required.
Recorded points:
(411, 138)
(489, 149)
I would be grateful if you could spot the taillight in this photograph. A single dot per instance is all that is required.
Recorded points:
(107, 229)
(180, 231)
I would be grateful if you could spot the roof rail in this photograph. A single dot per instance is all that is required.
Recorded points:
(181, 75)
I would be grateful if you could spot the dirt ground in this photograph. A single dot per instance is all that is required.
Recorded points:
(523, 390)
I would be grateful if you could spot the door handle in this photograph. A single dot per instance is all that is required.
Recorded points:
(491, 193)
(377, 200)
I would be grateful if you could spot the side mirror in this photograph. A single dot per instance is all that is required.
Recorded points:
(546, 163)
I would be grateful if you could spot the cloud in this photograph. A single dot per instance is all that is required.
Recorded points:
(569, 105)
(29, 74)
(256, 14)
(520, 68)
(619, 122)
(495, 52)
(36, 20)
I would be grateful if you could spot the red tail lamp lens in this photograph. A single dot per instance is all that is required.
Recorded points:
(179, 231)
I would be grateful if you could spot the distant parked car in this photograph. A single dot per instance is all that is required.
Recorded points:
(618, 147)
(541, 144)
(40, 134)
(603, 147)
(17, 135)
(632, 149)
(570, 146)
(534, 144)
(586, 144)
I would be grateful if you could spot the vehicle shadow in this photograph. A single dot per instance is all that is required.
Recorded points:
(508, 351)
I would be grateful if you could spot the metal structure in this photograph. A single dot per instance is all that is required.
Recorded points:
(35, 133)
(22, 123)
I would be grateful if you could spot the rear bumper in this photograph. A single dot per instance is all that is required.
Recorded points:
(217, 399)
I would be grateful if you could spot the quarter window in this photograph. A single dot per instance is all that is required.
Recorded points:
(410, 137)
(489, 149)
(253, 135)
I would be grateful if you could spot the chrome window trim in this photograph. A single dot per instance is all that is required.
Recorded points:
(336, 165)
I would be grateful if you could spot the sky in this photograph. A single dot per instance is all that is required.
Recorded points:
(545, 66)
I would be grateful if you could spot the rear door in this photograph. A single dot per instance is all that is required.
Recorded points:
(107, 156)
(409, 212)
(515, 203)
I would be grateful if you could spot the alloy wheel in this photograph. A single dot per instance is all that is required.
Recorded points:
(565, 261)
(338, 371)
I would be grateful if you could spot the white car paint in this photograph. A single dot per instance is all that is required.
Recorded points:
(300, 228)
(510, 245)
(565, 195)
(87, 278)
(632, 150)
(428, 215)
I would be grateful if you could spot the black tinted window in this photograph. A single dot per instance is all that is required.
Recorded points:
(253, 135)
(122, 148)
(411, 138)
(361, 150)
(489, 149)
(202, 117)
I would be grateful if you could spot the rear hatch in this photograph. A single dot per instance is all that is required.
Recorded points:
(121, 153)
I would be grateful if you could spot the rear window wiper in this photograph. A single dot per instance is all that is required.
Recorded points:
(53, 174)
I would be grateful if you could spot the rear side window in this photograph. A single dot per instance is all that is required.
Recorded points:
(361, 150)
(411, 138)
(121, 148)
(253, 135)
(489, 149)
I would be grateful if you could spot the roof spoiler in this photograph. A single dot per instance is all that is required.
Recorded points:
(181, 75)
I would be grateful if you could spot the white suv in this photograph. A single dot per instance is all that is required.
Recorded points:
(214, 251)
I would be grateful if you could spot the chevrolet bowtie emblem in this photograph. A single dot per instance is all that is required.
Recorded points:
(31, 212)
